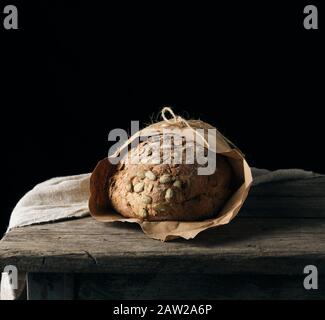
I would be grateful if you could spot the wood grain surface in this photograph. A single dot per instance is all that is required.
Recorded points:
(256, 242)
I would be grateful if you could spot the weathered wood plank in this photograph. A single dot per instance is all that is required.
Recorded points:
(50, 286)
(295, 198)
(314, 187)
(250, 245)
(284, 207)
(195, 286)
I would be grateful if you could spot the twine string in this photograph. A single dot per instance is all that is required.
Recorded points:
(179, 121)
(175, 121)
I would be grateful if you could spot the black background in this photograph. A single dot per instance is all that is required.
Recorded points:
(72, 72)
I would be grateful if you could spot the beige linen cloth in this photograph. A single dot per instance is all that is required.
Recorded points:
(63, 198)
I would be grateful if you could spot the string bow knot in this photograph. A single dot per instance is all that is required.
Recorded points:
(179, 121)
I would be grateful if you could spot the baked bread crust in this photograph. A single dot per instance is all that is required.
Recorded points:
(168, 191)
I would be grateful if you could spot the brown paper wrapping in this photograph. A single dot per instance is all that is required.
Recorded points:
(99, 203)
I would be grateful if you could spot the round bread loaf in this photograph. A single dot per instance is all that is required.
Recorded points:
(171, 190)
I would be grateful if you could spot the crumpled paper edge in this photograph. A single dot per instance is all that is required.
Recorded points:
(169, 230)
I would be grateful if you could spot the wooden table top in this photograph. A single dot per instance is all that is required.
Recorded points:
(277, 232)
